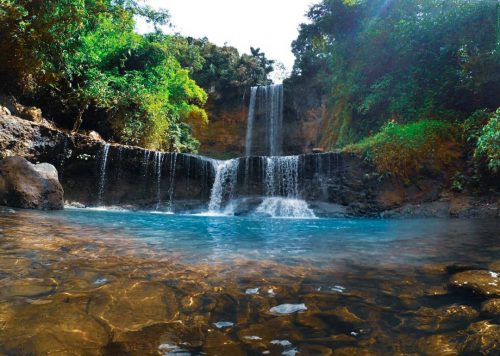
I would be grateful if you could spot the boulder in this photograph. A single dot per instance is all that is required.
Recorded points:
(29, 186)
(484, 283)
(4, 110)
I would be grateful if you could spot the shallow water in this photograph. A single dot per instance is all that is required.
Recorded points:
(115, 282)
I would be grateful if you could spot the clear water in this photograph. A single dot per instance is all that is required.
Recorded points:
(297, 241)
(99, 282)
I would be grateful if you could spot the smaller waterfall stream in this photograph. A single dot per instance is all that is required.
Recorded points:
(102, 179)
(226, 174)
(158, 169)
(251, 117)
(281, 179)
(171, 187)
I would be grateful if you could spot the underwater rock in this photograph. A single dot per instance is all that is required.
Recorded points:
(62, 328)
(29, 287)
(485, 283)
(483, 338)
(133, 305)
(491, 307)
(284, 309)
(438, 345)
(29, 186)
(223, 324)
(429, 319)
(218, 343)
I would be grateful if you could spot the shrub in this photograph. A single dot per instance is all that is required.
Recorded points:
(405, 150)
(488, 142)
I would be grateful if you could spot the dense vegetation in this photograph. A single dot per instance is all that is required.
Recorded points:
(84, 65)
(431, 68)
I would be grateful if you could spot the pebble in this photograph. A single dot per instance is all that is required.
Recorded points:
(223, 324)
(288, 308)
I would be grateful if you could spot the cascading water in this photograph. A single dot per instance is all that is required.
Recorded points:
(102, 179)
(158, 169)
(171, 187)
(268, 102)
(226, 174)
(251, 117)
(281, 180)
(282, 176)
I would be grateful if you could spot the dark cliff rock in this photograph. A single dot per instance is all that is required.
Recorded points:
(29, 186)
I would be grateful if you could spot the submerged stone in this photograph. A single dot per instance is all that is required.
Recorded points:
(56, 328)
(223, 324)
(485, 283)
(284, 309)
(438, 345)
(483, 338)
(133, 305)
(491, 307)
(429, 319)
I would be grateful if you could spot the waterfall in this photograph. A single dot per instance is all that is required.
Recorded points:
(281, 181)
(102, 179)
(158, 167)
(147, 154)
(171, 187)
(251, 116)
(226, 174)
(281, 176)
(269, 101)
(285, 208)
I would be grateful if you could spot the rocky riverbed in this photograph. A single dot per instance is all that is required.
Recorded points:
(83, 290)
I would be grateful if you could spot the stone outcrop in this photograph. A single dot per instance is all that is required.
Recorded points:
(29, 186)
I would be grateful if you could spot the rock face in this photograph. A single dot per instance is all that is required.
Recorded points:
(29, 186)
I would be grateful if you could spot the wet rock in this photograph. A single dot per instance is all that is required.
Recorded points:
(347, 316)
(491, 307)
(56, 328)
(129, 305)
(218, 343)
(483, 338)
(429, 319)
(485, 283)
(29, 186)
(29, 287)
(438, 345)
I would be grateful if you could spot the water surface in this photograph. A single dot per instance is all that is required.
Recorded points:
(116, 282)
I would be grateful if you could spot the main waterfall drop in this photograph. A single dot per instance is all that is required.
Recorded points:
(264, 135)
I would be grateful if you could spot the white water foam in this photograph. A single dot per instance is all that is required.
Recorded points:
(279, 207)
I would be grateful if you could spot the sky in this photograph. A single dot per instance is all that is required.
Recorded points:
(270, 25)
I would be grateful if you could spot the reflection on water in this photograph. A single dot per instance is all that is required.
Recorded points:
(100, 282)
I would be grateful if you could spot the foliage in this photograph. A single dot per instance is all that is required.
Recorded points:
(403, 150)
(225, 74)
(84, 60)
(406, 60)
(488, 142)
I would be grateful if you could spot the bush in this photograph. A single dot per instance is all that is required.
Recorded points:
(405, 150)
(488, 142)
